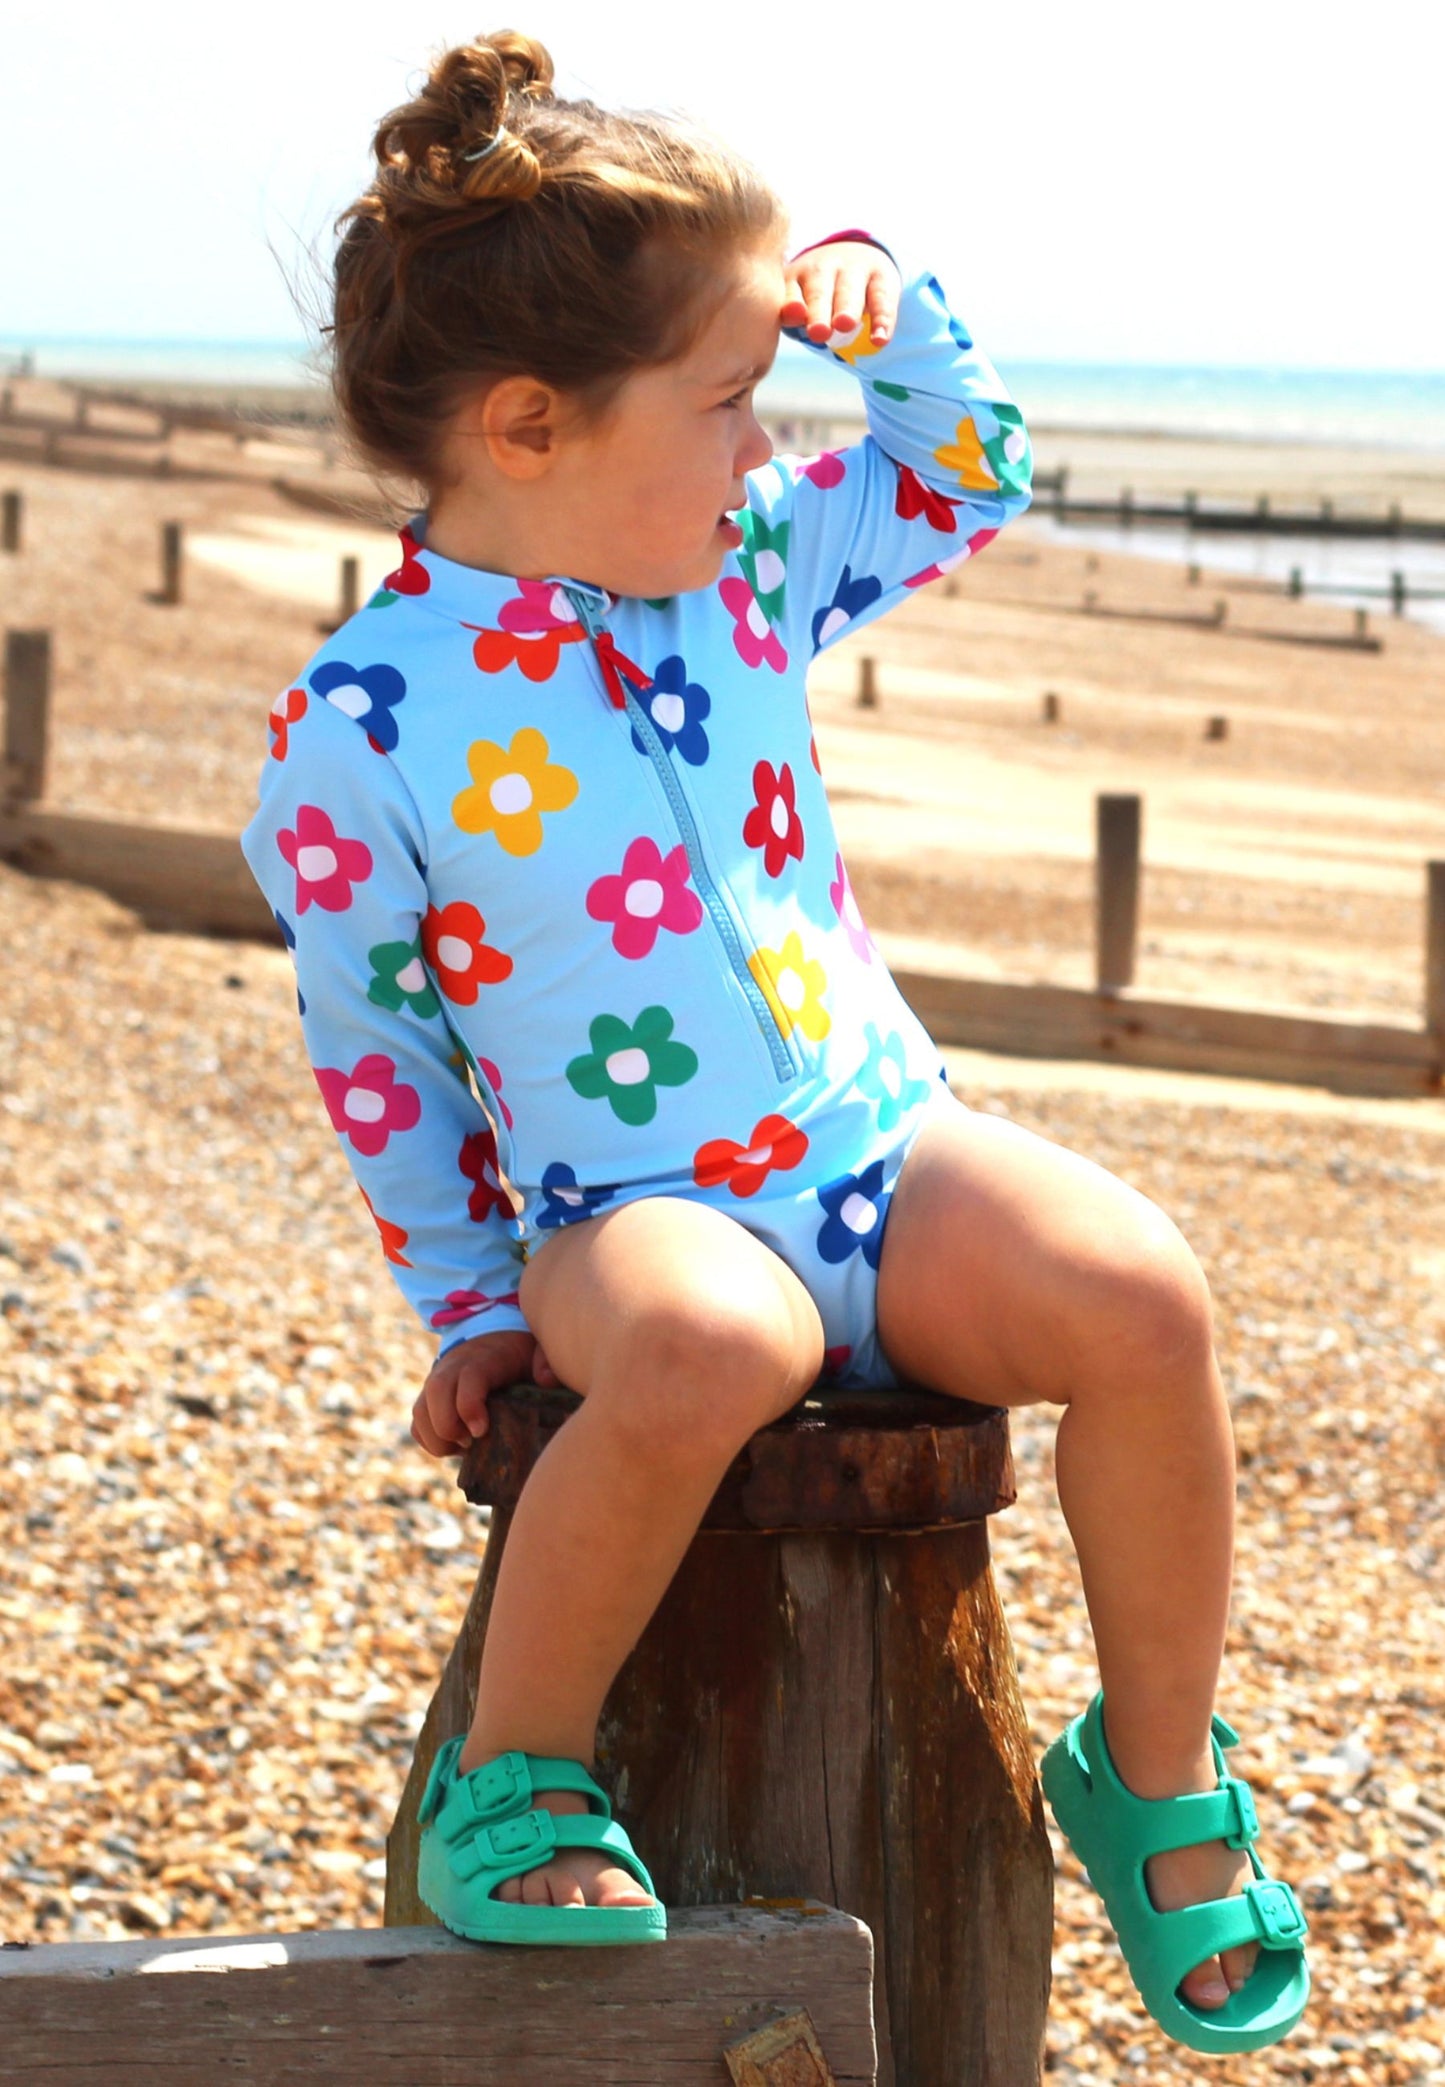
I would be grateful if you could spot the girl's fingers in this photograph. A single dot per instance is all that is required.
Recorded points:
(883, 289)
(849, 290)
(831, 291)
(439, 1400)
(424, 1433)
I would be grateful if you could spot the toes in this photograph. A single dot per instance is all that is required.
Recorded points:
(1206, 1985)
(534, 1889)
(1238, 1963)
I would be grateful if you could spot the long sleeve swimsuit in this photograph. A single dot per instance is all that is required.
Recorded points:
(560, 880)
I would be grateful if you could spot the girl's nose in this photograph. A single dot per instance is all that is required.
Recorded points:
(756, 447)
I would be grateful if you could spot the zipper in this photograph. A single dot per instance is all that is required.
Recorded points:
(588, 604)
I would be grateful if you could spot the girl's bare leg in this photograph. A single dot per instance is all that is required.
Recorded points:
(1014, 1271)
(685, 1335)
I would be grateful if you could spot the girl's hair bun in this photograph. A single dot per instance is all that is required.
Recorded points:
(452, 147)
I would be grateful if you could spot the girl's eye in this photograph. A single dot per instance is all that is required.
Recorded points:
(737, 398)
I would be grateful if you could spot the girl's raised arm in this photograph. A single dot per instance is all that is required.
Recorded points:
(945, 463)
(336, 845)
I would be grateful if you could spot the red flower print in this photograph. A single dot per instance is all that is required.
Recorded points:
(650, 894)
(535, 625)
(325, 862)
(916, 498)
(758, 644)
(835, 1361)
(478, 1161)
(286, 711)
(467, 1304)
(368, 1103)
(409, 577)
(393, 1237)
(451, 940)
(773, 823)
(775, 1143)
(845, 905)
(826, 471)
(492, 1075)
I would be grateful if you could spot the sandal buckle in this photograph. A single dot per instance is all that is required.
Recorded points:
(1246, 1828)
(531, 1832)
(1278, 1917)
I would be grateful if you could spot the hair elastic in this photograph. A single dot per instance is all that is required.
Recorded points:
(491, 145)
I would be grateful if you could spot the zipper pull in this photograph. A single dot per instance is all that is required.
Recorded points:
(615, 665)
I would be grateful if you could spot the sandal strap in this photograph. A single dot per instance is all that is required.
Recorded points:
(513, 1846)
(501, 1788)
(1266, 1912)
(1157, 1824)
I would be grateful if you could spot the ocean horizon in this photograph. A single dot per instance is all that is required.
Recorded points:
(1386, 408)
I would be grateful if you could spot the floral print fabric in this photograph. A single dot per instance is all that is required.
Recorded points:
(560, 880)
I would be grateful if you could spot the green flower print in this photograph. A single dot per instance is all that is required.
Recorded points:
(1009, 452)
(764, 561)
(884, 1079)
(628, 1065)
(400, 979)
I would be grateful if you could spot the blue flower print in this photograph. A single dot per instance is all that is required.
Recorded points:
(857, 1211)
(884, 1079)
(288, 936)
(567, 1204)
(369, 694)
(955, 326)
(850, 599)
(677, 708)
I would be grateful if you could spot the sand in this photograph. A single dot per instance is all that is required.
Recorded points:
(228, 1580)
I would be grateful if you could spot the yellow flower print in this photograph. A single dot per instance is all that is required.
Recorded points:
(793, 986)
(858, 345)
(965, 456)
(511, 788)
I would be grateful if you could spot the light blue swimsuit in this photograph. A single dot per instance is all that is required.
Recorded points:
(568, 913)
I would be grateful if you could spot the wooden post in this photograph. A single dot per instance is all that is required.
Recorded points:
(170, 592)
(1362, 623)
(1395, 517)
(867, 685)
(1435, 950)
(1327, 512)
(1193, 575)
(1296, 583)
(10, 522)
(7, 403)
(1126, 507)
(27, 714)
(1191, 503)
(1221, 610)
(1117, 823)
(350, 587)
(1051, 708)
(1216, 728)
(1397, 593)
(1261, 507)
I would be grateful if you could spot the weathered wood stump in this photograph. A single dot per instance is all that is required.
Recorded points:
(824, 1706)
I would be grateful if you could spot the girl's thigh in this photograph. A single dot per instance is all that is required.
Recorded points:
(1014, 1270)
(667, 1304)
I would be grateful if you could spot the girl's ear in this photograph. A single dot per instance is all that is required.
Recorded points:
(517, 420)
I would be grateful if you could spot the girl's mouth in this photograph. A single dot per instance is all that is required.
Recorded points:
(731, 534)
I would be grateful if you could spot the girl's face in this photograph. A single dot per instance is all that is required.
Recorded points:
(650, 485)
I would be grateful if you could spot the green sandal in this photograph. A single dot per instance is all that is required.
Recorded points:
(1113, 1833)
(480, 1828)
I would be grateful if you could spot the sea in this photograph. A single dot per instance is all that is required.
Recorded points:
(1386, 409)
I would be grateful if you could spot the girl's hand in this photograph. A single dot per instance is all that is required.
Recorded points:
(451, 1407)
(830, 288)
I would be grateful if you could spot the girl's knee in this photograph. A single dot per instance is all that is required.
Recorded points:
(699, 1370)
(1146, 1307)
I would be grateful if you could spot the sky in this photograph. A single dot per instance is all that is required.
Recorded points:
(1241, 184)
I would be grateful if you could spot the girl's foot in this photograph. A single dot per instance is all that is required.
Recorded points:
(1189, 1877)
(577, 1876)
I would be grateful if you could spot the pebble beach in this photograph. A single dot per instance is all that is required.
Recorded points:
(229, 1579)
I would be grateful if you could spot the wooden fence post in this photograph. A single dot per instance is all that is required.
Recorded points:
(867, 685)
(1296, 582)
(1191, 504)
(1435, 949)
(1117, 823)
(1397, 594)
(10, 522)
(170, 592)
(350, 587)
(1126, 507)
(27, 714)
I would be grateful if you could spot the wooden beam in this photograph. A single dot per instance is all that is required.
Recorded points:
(392, 2007)
(1041, 1021)
(174, 876)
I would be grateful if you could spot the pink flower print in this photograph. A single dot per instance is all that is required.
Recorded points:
(979, 541)
(534, 626)
(845, 905)
(492, 1075)
(773, 823)
(326, 863)
(650, 894)
(368, 1103)
(409, 577)
(758, 644)
(478, 1161)
(467, 1304)
(826, 471)
(286, 711)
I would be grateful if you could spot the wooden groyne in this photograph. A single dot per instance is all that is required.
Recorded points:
(1263, 519)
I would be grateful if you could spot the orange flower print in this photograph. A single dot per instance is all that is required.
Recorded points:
(460, 961)
(287, 710)
(965, 456)
(855, 346)
(775, 1143)
(393, 1237)
(511, 788)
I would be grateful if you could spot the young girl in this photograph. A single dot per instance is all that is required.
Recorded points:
(630, 1094)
